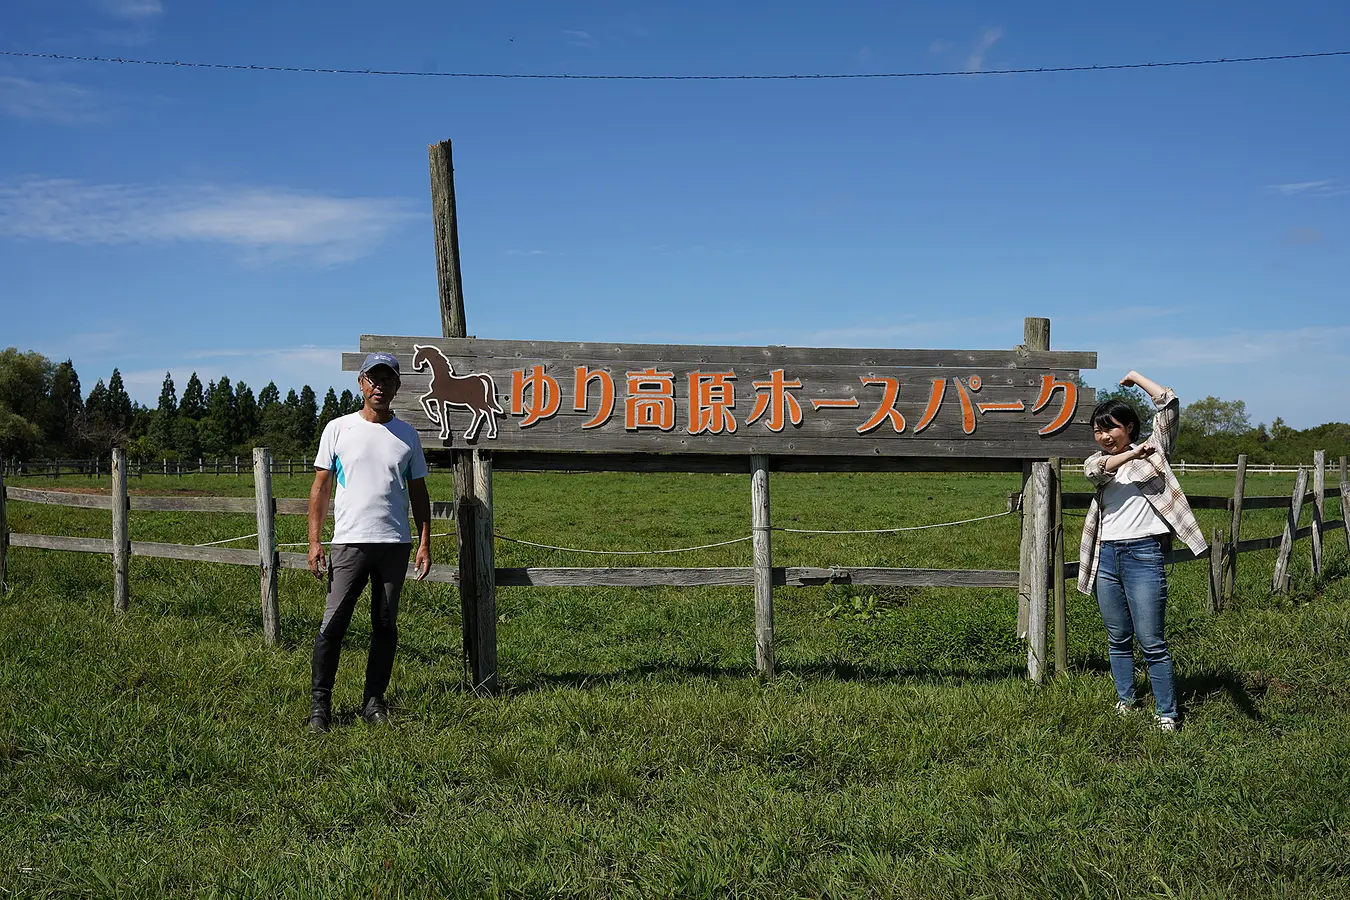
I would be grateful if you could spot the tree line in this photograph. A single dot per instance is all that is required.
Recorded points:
(44, 414)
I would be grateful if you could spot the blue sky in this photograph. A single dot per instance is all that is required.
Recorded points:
(1190, 222)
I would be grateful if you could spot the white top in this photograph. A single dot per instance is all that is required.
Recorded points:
(373, 462)
(1126, 512)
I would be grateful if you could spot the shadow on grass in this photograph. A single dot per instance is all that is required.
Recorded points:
(670, 671)
(1196, 688)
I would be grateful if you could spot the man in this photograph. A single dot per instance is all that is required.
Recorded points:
(378, 463)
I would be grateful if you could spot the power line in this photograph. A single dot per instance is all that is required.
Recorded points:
(819, 76)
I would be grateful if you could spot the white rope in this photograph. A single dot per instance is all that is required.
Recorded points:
(229, 540)
(894, 530)
(622, 552)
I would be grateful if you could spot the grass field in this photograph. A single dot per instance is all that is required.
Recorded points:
(633, 751)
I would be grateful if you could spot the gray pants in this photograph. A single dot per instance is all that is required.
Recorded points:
(350, 567)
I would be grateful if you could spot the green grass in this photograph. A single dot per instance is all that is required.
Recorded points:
(633, 751)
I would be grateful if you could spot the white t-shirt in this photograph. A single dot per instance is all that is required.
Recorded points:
(373, 463)
(1126, 512)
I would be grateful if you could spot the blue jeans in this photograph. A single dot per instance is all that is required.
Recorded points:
(1132, 595)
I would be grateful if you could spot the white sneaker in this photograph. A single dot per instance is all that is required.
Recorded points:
(1166, 723)
(1124, 707)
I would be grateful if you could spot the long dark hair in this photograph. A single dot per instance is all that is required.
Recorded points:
(1116, 412)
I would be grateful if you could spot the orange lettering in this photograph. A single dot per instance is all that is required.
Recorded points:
(711, 397)
(584, 377)
(651, 400)
(773, 398)
(545, 398)
(934, 404)
(1048, 387)
(886, 410)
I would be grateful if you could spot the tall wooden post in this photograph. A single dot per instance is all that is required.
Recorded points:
(1039, 569)
(121, 542)
(1319, 512)
(1057, 569)
(268, 559)
(477, 557)
(1280, 580)
(1235, 531)
(1035, 336)
(763, 555)
(1345, 504)
(4, 527)
(484, 660)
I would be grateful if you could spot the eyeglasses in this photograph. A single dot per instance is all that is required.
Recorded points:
(383, 379)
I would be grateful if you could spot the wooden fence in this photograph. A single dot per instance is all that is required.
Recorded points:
(1042, 578)
(237, 465)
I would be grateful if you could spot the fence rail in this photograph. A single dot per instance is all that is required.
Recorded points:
(236, 465)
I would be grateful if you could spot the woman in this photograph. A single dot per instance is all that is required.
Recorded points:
(1138, 507)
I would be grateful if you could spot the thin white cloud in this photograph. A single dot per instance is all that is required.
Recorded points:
(987, 39)
(49, 101)
(580, 38)
(289, 367)
(1303, 236)
(268, 223)
(1293, 345)
(1324, 188)
(134, 10)
(939, 47)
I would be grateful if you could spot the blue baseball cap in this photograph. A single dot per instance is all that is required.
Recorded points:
(381, 359)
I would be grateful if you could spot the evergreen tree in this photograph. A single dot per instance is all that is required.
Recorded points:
(166, 414)
(331, 410)
(306, 416)
(246, 416)
(118, 404)
(217, 429)
(348, 403)
(67, 405)
(268, 396)
(96, 427)
(193, 404)
(185, 441)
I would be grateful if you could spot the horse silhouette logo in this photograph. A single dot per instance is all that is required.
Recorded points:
(476, 392)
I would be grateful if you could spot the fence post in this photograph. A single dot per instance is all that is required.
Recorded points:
(4, 529)
(1319, 511)
(1235, 531)
(485, 576)
(1216, 554)
(236, 464)
(1345, 504)
(763, 559)
(120, 540)
(1035, 336)
(217, 465)
(1039, 569)
(1280, 580)
(166, 466)
(1057, 570)
(268, 558)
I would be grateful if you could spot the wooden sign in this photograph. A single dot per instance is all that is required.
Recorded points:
(672, 398)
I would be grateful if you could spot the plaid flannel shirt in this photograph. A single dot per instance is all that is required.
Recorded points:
(1155, 480)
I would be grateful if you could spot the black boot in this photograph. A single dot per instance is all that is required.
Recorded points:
(375, 712)
(320, 715)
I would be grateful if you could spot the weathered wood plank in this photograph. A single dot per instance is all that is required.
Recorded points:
(1215, 585)
(1235, 530)
(61, 542)
(484, 660)
(1057, 571)
(445, 224)
(763, 565)
(1319, 509)
(1037, 585)
(59, 498)
(267, 545)
(121, 538)
(1345, 500)
(243, 505)
(769, 356)
(4, 532)
(1280, 578)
